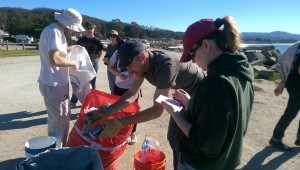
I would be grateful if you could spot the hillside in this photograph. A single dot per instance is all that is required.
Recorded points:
(31, 22)
(276, 36)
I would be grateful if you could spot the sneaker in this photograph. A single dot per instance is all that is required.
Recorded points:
(132, 139)
(297, 142)
(279, 145)
(72, 105)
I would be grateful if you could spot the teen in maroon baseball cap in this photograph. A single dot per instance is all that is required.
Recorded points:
(217, 115)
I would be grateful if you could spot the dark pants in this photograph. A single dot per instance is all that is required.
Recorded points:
(92, 82)
(289, 114)
(173, 137)
(119, 91)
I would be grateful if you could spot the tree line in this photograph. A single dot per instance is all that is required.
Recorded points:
(31, 22)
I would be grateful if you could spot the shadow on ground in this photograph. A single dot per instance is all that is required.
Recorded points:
(24, 119)
(256, 162)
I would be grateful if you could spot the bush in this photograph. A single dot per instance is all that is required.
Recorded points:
(10, 39)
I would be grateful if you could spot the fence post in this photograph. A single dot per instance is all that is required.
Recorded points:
(6, 44)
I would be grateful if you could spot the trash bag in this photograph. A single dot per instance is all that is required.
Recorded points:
(109, 149)
(81, 158)
(81, 77)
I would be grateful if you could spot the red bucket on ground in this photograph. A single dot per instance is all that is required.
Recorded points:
(109, 149)
(155, 161)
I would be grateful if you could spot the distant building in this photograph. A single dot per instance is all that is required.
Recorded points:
(4, 34)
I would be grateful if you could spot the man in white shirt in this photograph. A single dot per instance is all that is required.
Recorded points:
(53, 80)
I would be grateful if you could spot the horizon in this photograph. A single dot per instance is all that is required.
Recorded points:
(177, 15)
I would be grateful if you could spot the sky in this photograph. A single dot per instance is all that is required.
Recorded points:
(177, 15)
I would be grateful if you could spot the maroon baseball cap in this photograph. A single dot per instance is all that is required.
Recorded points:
(195, 32)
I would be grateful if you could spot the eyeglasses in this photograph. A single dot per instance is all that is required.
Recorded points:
(194, 48)
(90, 28)
(114, 36)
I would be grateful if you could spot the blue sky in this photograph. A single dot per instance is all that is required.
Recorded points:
(177, 15)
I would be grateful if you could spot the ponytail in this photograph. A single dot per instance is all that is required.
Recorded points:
(229, 38)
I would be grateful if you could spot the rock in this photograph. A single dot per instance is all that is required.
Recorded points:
(259, 68)
(257, 63)
(266, 74)
(270, 61)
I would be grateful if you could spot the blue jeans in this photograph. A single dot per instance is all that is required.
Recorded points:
(74, 99)
(111, 81)
(93, 81)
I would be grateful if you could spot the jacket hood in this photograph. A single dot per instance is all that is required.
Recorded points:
(235, 62)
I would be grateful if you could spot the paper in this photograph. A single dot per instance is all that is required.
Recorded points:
(176, 104)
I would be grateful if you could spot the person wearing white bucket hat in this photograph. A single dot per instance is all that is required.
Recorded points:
(53, 79)
(71, 19)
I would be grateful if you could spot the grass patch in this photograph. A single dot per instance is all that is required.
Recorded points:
(18, 53)
(276, 77)
(256, 88)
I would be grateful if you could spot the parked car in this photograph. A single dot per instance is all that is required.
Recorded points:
(21, 38)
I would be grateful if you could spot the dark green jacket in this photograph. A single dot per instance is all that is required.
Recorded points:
(219, 112)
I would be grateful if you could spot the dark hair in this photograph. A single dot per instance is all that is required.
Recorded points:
(228, 38)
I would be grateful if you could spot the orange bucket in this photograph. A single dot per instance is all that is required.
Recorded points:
(159, 164)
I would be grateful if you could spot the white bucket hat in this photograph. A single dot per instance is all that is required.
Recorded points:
(71, 19)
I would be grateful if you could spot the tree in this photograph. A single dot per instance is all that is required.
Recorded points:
(117, 25)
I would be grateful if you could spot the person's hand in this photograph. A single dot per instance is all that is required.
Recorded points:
(112, 128)
(78, 65)
(170, 108)
(278, 90)
(105, 60)
(100, 113)
(182, 96)
(123, 77)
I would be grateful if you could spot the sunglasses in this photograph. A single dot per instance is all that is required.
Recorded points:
(90, 28)
(194, 48)
(114, 36)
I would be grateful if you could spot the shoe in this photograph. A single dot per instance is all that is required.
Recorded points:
(297, 142)
(72, 105)
(132, 139)
(279, 145)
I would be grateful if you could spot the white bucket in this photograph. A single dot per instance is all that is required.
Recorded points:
(39, 144)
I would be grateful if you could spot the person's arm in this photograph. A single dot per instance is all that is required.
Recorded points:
(150, 113)
(99, 54)
(56, 60)
(111, 67)
(182, 123)
(126, 99)
(100, 48)
(129, 96)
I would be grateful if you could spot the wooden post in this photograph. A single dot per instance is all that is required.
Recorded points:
(6, 44)
(23, 45)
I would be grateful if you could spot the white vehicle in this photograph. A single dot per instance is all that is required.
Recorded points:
(21, 38)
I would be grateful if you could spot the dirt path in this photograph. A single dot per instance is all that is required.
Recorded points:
(23, 116)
